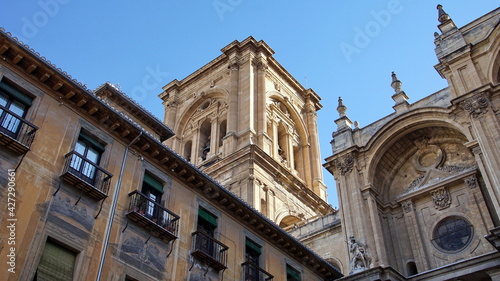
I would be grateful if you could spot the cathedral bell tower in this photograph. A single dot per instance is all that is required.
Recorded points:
(246, 122)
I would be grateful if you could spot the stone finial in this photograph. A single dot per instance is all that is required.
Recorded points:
(341, 108)
(396, 84)
(442, 15)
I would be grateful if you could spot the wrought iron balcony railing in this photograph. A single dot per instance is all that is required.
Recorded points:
(16, 133)
(210, 250)
(160, 221)
(86, 175)
(252, 272)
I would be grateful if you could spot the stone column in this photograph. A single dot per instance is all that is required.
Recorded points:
(214, 133)
(289, 143)
(261, 98)
(275, 138)
(315, 160)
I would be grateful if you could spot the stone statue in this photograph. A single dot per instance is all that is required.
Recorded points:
(360, 259)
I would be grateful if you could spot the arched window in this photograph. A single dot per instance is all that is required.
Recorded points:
(411, 268)
(187, 150)
(282, 144)
(205, 132)
(222, 131)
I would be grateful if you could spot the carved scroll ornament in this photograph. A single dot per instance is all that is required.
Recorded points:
(476, 105)
(345, 164)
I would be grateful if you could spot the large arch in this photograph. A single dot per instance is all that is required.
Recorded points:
(393, 147)
(494, 57)
(215, 93)
(294, 115)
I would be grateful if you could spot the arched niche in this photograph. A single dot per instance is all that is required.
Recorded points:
(417, 154)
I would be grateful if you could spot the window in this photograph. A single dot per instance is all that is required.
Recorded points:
(252, 255)
(452, 234)
(292, 274)
(13, 107)
(207, 223)
(87, 154)
(153, 189)
(56, 263)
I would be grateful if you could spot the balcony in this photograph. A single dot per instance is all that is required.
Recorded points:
(152, 216)
(207, 249)
(16, 133)
(88, 176)
(252, 272)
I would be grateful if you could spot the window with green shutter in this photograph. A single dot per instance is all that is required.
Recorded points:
(56, 264)
(292, 274)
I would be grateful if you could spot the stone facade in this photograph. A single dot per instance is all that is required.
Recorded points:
(246, 122)
(419, 189)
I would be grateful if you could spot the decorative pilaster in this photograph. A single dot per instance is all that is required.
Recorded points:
(414, 233)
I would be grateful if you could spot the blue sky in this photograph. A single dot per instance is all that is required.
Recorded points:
(337, 48)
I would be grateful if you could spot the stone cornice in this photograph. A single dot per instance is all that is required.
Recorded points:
(109, 91)
(237, 49)
(272, 167)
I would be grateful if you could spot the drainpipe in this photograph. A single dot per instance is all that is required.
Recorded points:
(113, 208)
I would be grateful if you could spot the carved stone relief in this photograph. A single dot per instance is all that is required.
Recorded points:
(407, 206)
(477, 105)
(345, 164)
(471, 182)
(441, 198)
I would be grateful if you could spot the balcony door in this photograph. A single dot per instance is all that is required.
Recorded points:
(252, 254)
(153, 189)
(10, 122)
(85, 161)
(207, 223)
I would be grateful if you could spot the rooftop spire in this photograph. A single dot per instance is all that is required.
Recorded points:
(341, 108)
(442, 15)
(399, 97)
(396, 84)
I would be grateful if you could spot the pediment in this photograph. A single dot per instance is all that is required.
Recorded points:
(437, 177)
